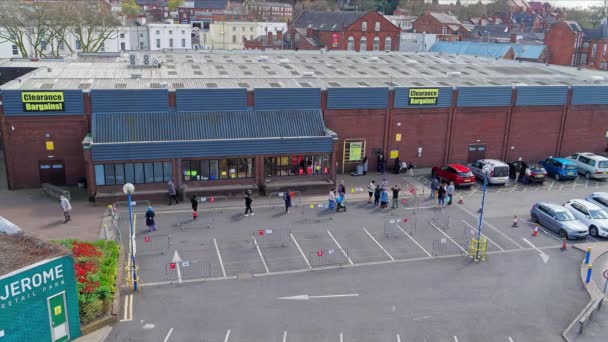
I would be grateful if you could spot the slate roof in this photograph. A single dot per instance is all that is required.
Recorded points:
(199, 126)
(326, 21)
(211, 4)
(445, 18)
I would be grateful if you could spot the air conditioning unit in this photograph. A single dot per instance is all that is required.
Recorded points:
(132, 59)
(146, 59)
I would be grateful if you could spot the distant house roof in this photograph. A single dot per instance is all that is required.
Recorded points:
(490, 50)
(525, 51)
(326, 21)
(493, 31)
(593, 34)
(151, 2)
(445, 18)
(311, 40)
(536, 6)
(211, 4)
(573, 25)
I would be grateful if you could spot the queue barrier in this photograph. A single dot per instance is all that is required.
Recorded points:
(267, 237)
(317, 212)
(152, 244)
(188, 270)
(136, 206)
(187, 221)
(396, 227)
(443, 246)
(212, 202)
(328, 257)
(441, 219)
(276, 199)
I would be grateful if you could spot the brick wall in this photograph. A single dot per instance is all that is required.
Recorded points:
(26, 146)
(478, 125)
(427, 23)
(585, 129)
(600, 60)
(534, 132)
(387, 29)
(560, 44)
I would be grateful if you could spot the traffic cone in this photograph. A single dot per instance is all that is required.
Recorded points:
(564, 246)
(460, 200)
(515, 224)
(535, 232)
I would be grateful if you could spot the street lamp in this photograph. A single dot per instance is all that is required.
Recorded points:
(486, 171)
(129, 189)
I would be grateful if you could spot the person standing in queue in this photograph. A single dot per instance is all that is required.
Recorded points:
(371, 188)
(194, 203)
(248, 201)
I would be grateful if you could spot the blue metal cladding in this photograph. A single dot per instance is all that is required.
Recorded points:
(484, 96)
(357, 98)
(211, 148)
(582, 95)
(130, 100)
(196, 100)
(402, 98)
(73, 103)
(541, 95)
(292, 98)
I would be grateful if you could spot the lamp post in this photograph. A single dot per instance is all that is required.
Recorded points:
(486, 171)
(129, 189)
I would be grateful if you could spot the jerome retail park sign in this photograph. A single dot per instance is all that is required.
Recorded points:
(42, 101)
(26, 285)
(423, 96)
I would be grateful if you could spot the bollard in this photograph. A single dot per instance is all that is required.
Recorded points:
(564, 246)
(588, 274)
(588, 255)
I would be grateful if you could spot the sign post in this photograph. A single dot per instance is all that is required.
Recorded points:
(606, 282)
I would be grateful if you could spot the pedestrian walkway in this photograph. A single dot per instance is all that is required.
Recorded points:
(3, 182)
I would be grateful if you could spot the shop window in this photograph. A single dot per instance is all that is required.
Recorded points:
(223, 167)
(139, 173)
(129, 173)
(110, 179)
(149, 172)
(119, 173)
(202, 170)
(298, 165)
(100, 176)
(213, 170)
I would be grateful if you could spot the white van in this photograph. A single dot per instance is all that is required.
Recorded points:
(591, 165)
(499, 171)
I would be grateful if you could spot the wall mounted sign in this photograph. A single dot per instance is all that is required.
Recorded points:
(423, 96)
(43, 101)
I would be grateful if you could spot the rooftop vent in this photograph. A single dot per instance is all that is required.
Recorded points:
(418, 84)
(223, 72)
(84, 86)
(283, 61)
(390, 84)
(243, 85)
(120, 86)
(159, 85)
(211, 85)
(248, 73)
(454, 74)
(275, 85)
(172, 73)
(334, 84)
(198, 73)
(272, 73)
(597, 78)
(308, 74)
(178, 85)
(295, 73)
(469, 83)
(305, 85)
(374, 59)
(262, 58)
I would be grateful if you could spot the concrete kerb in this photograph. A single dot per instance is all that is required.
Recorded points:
(595, 294)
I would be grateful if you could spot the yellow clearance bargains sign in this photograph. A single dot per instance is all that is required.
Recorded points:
(42, 101)
(423, 96)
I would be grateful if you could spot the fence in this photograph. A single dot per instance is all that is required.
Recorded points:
(276, 199)
(441, 219)
(187, 221)
(152, 244)
(317, 212)
(328, 257)
(55, 191)
(446, 247)
(136, 206)
(395, 228)
(188, 270)
(271, 237)
(212, 202)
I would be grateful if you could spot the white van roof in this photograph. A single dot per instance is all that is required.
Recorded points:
(494, 162)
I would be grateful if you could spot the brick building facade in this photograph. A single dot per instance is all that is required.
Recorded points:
(564, 42)
(441, 23)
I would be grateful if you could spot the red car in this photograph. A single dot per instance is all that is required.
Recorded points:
(459, 174)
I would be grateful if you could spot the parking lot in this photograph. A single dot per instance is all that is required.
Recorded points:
(309, 250)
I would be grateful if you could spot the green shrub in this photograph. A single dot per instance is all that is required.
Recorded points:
(89, 310)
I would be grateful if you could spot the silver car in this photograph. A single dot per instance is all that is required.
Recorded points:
(599, 198)
(558, 219)
(591, 215)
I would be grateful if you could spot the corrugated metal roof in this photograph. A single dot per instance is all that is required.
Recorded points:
(445, 18)
(528, 51)
(196, 126)
(472, 48)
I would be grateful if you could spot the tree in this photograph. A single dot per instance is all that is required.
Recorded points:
(130, 8)
(92, 28)
(498, 6)
(174, 4)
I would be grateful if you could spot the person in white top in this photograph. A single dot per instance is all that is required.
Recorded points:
(66, 207)
(371, 188)
(332, 199)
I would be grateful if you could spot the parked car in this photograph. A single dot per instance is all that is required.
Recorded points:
(594, 217)
(591, 165)
(9, 228)
(599, 198)
(459, 174)
(537, 172)
(499, 171)
(560, 168)
(558, 219)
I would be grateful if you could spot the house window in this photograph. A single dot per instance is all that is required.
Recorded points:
(122, 35)
(234, 28)
(205, 170)
(363, 44)
(137, 173)
(170, 31)
(141, 45)
(15, 50)
(297, 165)
(377, 27)
(78, 44)
(43, 45)
(60, 45)
(171, 42)
(234, 38)
(141, 35)
(364, 26)
(250, 37)
(351, 44)
(183, 42)
(158, 43)
(376, 46)
(387, 44)
(251, 29)
(444, 29)
(593, 50)
(157, 31)
(297, 37)
(102, 47)
(183, 31)
(122, 46)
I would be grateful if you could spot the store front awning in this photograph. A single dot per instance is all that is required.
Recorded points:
(158, 135)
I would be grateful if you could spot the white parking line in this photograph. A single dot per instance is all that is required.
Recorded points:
(455, 339)
(398, 338)
(510, 339)
(586, 182)
(414, 241)
(260, 253)
(341, 337)
(561, 186)
(484, 235)
(219, 256)
(227, 336)
(300, 249)
(474, 191)
(342, 250)
(284, 336)
(551, 186)
(574, 184)
(168, 335)
(379, 245)
(447, 236)
(493, 228)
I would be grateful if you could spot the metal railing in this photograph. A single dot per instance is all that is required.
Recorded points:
(136, 206)
(188, 270)
(395, 227)
(267, 237)
(277, 199)
(188, 221)
(328, 257)
(152, 244)
(55, 191)
(317, 212)
(442, 219)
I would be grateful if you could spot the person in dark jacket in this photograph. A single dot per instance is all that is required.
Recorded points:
(441, 192)
(341, 189)
(287, 199)
(377, 194)
(248, 201)
(194, 202)
(397, 166)
(172, 192)
(150, 220)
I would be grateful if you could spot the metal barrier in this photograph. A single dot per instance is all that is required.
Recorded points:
(317, 212)
(188, 270)
(272, 236)
(136, 206)
(442, 219)
(276, 199)
(152, 244)
(187, 221)
(394, 228)
(328, 257)
(55, 191)
(446, 247)
(212, 202)
(587, 315)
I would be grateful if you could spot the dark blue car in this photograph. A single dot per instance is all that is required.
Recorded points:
(560, 168)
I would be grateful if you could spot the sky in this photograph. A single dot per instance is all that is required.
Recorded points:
(555, 3)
